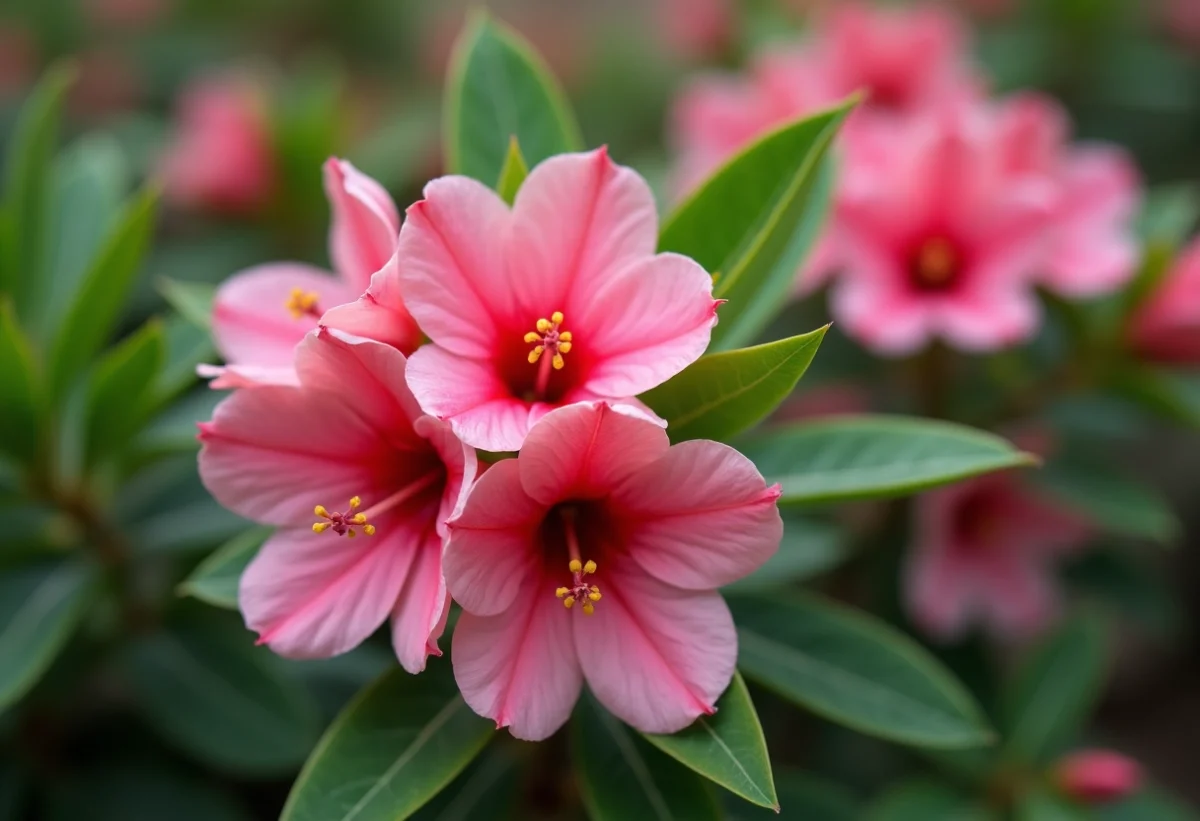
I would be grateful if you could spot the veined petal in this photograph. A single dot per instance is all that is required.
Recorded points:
(419, 615)
(380, 313)
(365, 225)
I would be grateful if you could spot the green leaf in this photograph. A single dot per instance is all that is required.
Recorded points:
(854, 670)
(621, 776)
(192, 300)
(174, 430)
(723, 394)
(27, 186)
(391, 750)
(727, 747)
(21, 407)
(499, 88)
(486, 791)
(187, 347)
(809, 548)
(139, 790)
(40, 607)
(207, 689)
(215, 580)
(925, 801)
(871, 457)
(802, 797)
(753, 220)
(513, 173)
(1169, 213)
(97, 305)
(1149, 804)
(120, 392)
(1054, 691)
(1042, 805)
(1110, 500)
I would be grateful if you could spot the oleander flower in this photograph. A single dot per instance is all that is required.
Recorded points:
(1097, 776)
(262, 313)
(559, 299)
(1166, 327)
(359, 483)
(595, 555)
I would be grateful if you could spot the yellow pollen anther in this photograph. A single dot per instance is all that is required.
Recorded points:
(588, 608)
(321, 511)
(565, 336)
(351, 534)
(575, 565)
(543, 325)
(301, 302)
(359, 519)
(355, 503)
(564, 347)
(558, 362)
(569, 602)
(549, 338)
(535, 355)
(590, 567)
(343, 524)
(562, 591)
(556, 317)
(594, 595)
(369, 530)
(320, 527)
(532, 337)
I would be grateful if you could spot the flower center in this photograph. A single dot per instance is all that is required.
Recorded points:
(936, 265)
(580, 590)
(301, 303)
(343, 524)
(550, 343)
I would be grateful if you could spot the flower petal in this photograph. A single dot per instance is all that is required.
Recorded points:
(379, 314)
(418, 617)
(646, 324)
(700, 517)
(491, 548)
(365, 225)
(585, 450)
(519, 668)
(656, 656)
(226, 377)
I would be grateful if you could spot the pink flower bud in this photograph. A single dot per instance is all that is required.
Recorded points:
(1097, 776)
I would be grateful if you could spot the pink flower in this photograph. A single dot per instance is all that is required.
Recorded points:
(559, 300)
(696, 28)
(349, 448)
(1182, 17)
(1092, 246)
(261, 314)
(596, 554)
(985, 551)
(221, 159)
(942, 242)
(1098, 776)
(1166, 328)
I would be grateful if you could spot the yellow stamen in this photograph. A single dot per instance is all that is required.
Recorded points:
(552, 339)
(369, 530)
(558, 362)
(321, 511)
(569, 602)
(351, 533)
(594, 595)
(543, 325)
(359, 519)
(565, 336)
(564, 347)
(590, 567)
(535, 355)
(320, 527)
(556, 317)
(575, 565)
(343, 523)
(588, 609)
(301, 302)
(532, 337)
(562, 591)
(356, 503)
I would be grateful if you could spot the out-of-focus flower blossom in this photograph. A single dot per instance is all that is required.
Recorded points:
(1166, 328)
(559, 299)
(127, 14)
(261, 314)
(221, 158)
(1097, 776)
(1092, 248)
(697, 28)
(349, 448)
(18, 57)
(596, 554)
(1182, 18)
(984, 551)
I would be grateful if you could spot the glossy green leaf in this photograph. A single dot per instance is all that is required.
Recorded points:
(854, 670)
(727, 747)
(187, 347)
(752, 221)
(120, 392)
(487, 790)
(392, 749)
(513, 173)
(1169, 214)
(723, 394)
(215, 580)
(21, 414)
(192, 300)
(621, 776)
(870, 457)
(213, 694)
(499, 88)
(1149, 804)
(1043, 805)
(27, 187)
(1130, 585)
(1112, 501)
(1054, 691)
(802, 797)
(926, 801)
(174, 429)
(809, 548)
(96, 307)
(40, 607)
(140, 790)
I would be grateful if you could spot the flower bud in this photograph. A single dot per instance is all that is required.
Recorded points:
(1097, 776)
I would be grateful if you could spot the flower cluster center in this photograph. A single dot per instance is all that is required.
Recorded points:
(343, 524)
(549, 339)
(301, 303)
(579, 589)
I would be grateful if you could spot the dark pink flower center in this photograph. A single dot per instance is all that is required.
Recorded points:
(572, 535)
(534, 364)
(935, 265)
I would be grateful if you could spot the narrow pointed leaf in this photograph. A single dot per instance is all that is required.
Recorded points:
(21, 406)
(192, 300)
(120, 392)
(802, 797)
(854, 670)
(871, 457)
(187, 347)
(391, 750)
(723, 394)
(487, 790)
(1112, 501)
(622, 777)
(513, 173)
(215, 580)
(499, 88)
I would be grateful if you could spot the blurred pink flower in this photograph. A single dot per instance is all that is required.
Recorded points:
(1166, 328)
(1183, 20)
(939, 241)
(560, 299)
(349, 434)
(599, 513)
(697, 28)
(18, 57)
(221, 158)
(984, 551)
(1097, 776)
(261, 314)
(1092, 248)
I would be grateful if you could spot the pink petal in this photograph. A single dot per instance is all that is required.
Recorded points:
(656, 656)
(520, 668)
(460, 462)
(646, 324)
(314, 595)
(227, 377)
(988, 320)
(1019, 597)
(938, 590)
(491, 548)
(877, 310)
(584, 451)
(365, 226)
(419, 615)
(251, 323)
(578, 220)
(380, 313)
(451, 265)
(699, 517)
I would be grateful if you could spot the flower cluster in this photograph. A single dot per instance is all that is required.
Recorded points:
(593, 555)
(953, 208)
